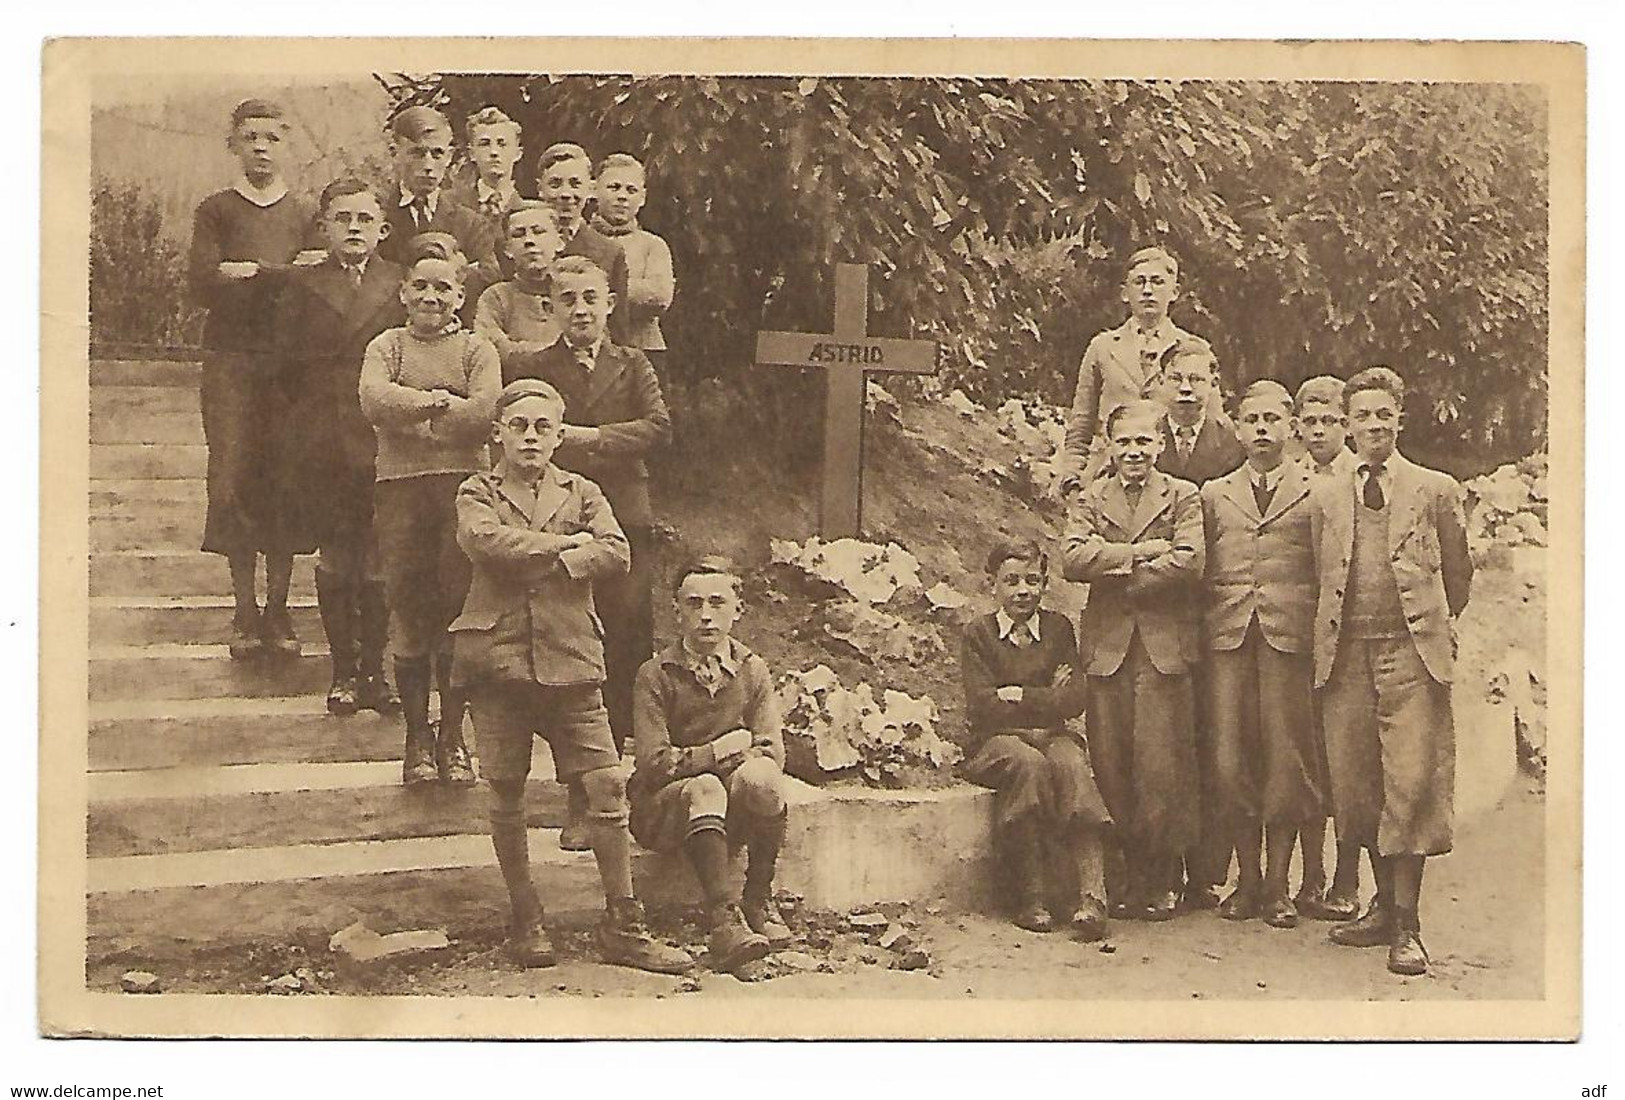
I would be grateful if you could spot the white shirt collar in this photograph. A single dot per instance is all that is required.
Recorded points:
(1386, 479)
(1007, 624)
(1271, 478)
(432, 201)
(261, 196)
(596, 346)
(1195, 429)
(484, 191)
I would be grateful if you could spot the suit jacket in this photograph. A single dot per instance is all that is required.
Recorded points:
(473, 234)
(621, 397)
(323, 324)
(1259, 565)
(1152, 597)
(1113, 374)
(1217, 452)
(1427, 540)
(529, 607)
(608, 255)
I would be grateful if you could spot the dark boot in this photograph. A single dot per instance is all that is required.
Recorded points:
(417, 763)
(1374, 929)
(245, 634)
(624, 940)
(733, 942)
(1031, 912)
(1406, 955)
(372, 631)
(337, 602)
(451, 751)
(762, 858)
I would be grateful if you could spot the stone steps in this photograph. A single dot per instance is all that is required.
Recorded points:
(138, 620)
(118, 373)
(177, 571)
(169, 733)
(201, 671)
(145, 414)
(167, 461)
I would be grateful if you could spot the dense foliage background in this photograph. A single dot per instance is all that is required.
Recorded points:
(1322, 226)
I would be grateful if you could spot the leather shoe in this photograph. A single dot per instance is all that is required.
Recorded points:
(1034, 917)
(1406, 955)
(1160, 907)
(1374, 929)
(1199, 897)
(1279, 912)
(1327, 906)
(1242, 904)
(530, 947)
(1089, 921)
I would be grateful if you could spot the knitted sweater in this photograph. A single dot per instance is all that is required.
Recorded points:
(650, 282)
(398, 372)
(229, 227)
(515, 321)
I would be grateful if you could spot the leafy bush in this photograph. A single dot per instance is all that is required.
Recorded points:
(138, 292)
(1322, 226)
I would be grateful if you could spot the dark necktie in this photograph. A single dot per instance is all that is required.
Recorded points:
(420, 212)
(1372, 495)
(1262, 495)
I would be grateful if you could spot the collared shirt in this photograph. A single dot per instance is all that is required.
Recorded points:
(261, 196)
(1385, 480)
(587, 356)
(1267, 480)
(414, 203)
(356, 271)
(1183, 438)
(492, 198)
(1007, 629)
(711, 670)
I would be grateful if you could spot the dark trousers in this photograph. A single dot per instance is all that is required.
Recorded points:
(426, 574)
(626, 606)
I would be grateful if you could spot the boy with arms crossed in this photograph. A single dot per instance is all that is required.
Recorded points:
(564, 181)
(513, 315)
(529, 657)
(1136, 537)
(1022, 687)
(710, 757)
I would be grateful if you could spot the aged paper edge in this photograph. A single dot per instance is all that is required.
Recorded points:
(67, 1008)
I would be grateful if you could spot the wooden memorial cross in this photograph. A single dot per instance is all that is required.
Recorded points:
(845, 356)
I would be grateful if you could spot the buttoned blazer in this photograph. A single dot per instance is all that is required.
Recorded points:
(1259, 564)
(1427, 545)
(1110, 375)
(522, 564)
(621, 397)
(1153, 598)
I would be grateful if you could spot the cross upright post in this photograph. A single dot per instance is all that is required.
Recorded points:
(846, 355)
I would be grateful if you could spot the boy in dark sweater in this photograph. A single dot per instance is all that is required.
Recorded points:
(1022, 687)
(325, 318)
(710, 754)
(243, 238)
(529, 655)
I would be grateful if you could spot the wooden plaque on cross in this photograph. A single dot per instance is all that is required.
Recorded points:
(845, 355)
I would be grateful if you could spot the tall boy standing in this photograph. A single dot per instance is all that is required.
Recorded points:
(1136, 537)
(325, 317)
(1121, 364)
(1394, 573)
(710, 758)
(420, 152)
(241, 237)
(529, 656)
(622, 189)
(1324, 430)
(494, 147)
(1259, 619)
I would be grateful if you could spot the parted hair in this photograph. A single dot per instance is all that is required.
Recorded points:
(1326, 389)
(343, 187)
(621, 160)
(1375, 378)
(1154, 254)
(491, 116)
(559, 152)
(528, 206)
(575, 265)
(257, 108)
(416, 122)
(1267, 387)
(519, 389)
(1142, 407)
(1030, 550)
(708, 565)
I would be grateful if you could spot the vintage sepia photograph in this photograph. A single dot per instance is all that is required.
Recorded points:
(754, 540)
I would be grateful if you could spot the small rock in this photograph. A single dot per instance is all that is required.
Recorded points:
(758, 970)
(1108, 949)
(798, 961)
(285, 984)
(871, 956)
(896, 939)
(934, 909)
(913, 960)
(1261, 985)
(867, 922)
(139, 981)
(362, 944)
(689, 985)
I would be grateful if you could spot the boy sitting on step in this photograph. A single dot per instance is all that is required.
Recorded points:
(1022, 687)
(710, 752)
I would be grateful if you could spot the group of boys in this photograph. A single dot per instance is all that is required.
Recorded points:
(1267, 642)
(448, 393)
